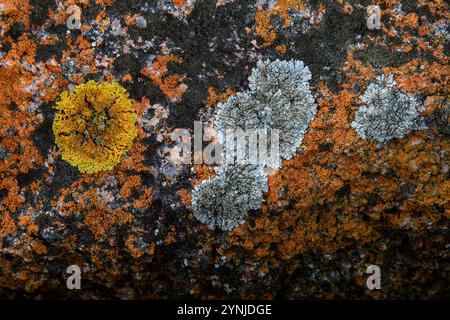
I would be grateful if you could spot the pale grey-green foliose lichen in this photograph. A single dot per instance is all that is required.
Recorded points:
(387, 112)
(225, 200)
(279, 98)
(278, 101)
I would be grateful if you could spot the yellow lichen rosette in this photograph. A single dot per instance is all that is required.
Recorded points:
(95, 125)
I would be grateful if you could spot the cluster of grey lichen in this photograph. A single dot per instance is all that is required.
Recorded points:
(387, 112)
(224, 200)
(279, 99)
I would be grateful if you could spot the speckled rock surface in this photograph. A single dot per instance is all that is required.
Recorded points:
(339, 204)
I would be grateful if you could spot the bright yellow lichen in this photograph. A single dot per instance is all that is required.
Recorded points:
(95, 125)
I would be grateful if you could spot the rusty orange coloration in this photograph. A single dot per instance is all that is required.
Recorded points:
(339, 204)
(170, 85)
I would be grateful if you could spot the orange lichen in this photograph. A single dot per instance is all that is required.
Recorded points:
(178, 3)
(145, 200)
(281, 48)
(130, 183)
(99, 219)
(356, 70)
(7, 225)
(151, 249)
(134, 250)
(81, 52)
(348, 9)
(127, 78)
(38, 247)
(424, 77)
(16, 129)
(264, 29)
(135, 159)
(214, 97)
(185, 196)
(141, 106)
(14, 11)
(100, 222)
(22, 50)
(282, 8)
(104, 2)
(203, 172)
(170, 85)
(26, 221)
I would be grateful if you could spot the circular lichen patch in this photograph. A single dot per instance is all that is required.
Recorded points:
(95, 125)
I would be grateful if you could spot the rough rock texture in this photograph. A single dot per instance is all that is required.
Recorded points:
(339, 204)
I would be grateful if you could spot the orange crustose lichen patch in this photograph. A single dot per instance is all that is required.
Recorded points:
(214, 97)
(145, 200)
(264, 29)
(170, 85)
(282, 8)
(203, 172)
(185, 196)
(178, 3)
(14, 11)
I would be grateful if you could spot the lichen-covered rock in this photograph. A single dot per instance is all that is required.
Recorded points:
(225, 200)
(333, 209)
(388, 113)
